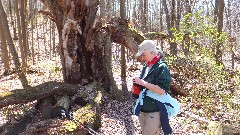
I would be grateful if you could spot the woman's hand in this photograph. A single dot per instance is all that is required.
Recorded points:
(149, 86)
(139, 81)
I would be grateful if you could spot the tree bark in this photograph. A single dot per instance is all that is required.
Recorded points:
(24, 32)
(102, 8)
(30, 94)
(4, 49)
(19, 29)
(123, 51)
(32, 12)
(170, 24)
(12, 48)
(219, 45)
(85, 43)
(86, 53)
(145, 16)
(186, 42)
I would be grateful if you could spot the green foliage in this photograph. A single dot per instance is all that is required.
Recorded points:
(56, 69)
(5, 94)
(198, 34)
(237, 76)
(81, 116)
(70, 126)
(85, 114)
(213, 90)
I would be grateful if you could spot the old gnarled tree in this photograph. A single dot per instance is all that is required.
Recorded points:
(85, 42)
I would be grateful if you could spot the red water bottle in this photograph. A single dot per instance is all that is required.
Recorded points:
(136, 90)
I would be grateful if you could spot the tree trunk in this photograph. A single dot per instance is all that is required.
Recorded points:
(173, 45)
(178, 16)
(32, 12)
(53, 40)
(109, 8)
(186, 42)
(102, 8)
(219, 45)
(145, 16)
(229, 23)
(4, 50)
(85, 45)
(20, 39)
(24, 32)
(12, 48)
(123, 51)
(216, 10)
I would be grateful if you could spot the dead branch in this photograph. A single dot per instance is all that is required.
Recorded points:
(156, 35)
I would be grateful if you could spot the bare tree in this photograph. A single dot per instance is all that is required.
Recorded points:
(102, 8)
(170, 24)
(123, 50)
(24, 32)
(109, 9)
(145, 16)
(219, 45)
(32, 15)
(19, 29)
(186, 42)
(12, 48)
(231, 38)
(4, 49)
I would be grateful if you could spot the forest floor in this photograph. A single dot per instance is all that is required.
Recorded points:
(116, 116)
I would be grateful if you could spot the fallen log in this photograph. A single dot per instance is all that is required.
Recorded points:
(19, 96)
(88, 115)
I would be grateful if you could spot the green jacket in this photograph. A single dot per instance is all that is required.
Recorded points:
(159, 75)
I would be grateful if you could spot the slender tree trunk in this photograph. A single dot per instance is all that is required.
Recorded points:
(186, 43)
(12, 21)
(109, 9)
(215, 21)
(145, 16)
(45, 34)
(173, 16)
(123, 51)
(50, 40)
(161, 21)
(53, 40)
(140, 14)
(12, 48)
(231, 38)
(216, 10)
(102, 8)
(32, 9)
(179, 12)
(38, 45)
(20, 39)
(134, 15)
(24, 33)
(173, 45)
(4, 50)
(220, 27)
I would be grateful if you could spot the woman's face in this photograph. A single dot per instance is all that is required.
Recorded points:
(147, 56)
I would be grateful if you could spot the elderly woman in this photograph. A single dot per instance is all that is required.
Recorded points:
(154, 105)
